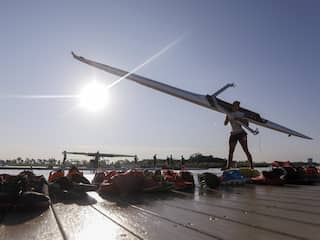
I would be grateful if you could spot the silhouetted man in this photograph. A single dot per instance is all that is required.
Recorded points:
(237, 134)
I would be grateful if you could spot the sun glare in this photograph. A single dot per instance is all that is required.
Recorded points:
(94, 96)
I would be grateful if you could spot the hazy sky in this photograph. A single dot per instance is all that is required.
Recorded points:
(270, 49)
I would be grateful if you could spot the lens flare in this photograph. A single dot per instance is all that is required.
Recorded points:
(94, 96)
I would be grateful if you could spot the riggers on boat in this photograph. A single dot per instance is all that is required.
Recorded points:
(249, 172)
(298, 175)
(131, 181)
(125, 183)
(24, 191)
(152, 186)
(103, 181)
(54, 175)
(183, 180)
(295, 175)
(312, 173)
(155, 182)
(233, 177)
(209, 180)
(275, 176)
(74, 171)
(99, 177)
(36, 194)
(73, 183)
(10, 189)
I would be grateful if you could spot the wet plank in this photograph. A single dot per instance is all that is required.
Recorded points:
(218, 223)
(280, 193)
(257, 200)
(259, 212)
(152, 226)
(29, 225)
(83, 222)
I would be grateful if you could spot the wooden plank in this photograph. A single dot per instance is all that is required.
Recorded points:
(299, 192)
(284, 196)
(29, 225)
(150, 226)
(264, 221)
(300, 217)
(282, 190)
(252, 199)
(260, 212)
(220, 226)
(83, 222)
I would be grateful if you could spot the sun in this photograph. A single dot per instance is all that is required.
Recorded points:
(94, 96)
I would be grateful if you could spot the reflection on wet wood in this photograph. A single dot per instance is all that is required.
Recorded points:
(255, 212)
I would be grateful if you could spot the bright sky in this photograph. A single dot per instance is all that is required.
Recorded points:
(270, 49)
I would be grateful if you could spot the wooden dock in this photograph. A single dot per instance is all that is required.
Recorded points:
(247, 212)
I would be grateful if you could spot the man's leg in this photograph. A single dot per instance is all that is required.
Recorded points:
(244, 144)
(232, 146)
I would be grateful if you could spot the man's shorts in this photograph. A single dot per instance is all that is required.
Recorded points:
(237, 137)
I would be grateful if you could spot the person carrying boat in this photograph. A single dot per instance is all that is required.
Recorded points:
(237, 134)
(182, 163)
(166, 164)
(154, 161)
(135, 161)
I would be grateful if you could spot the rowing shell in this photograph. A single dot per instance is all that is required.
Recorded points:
(208, 101)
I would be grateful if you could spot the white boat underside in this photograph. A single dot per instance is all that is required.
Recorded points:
(198, 99)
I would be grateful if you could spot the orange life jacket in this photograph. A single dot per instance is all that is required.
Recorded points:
(55, 175)
(73, 172)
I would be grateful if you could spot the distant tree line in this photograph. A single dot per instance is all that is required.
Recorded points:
(195, 161)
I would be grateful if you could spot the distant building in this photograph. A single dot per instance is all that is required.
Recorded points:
(310, 161)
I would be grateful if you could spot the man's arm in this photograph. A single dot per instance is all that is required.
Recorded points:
(246, 122)
(226, 120)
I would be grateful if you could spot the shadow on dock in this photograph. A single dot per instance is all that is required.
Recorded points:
(15, 217)
(81, 198)
(140, 198)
